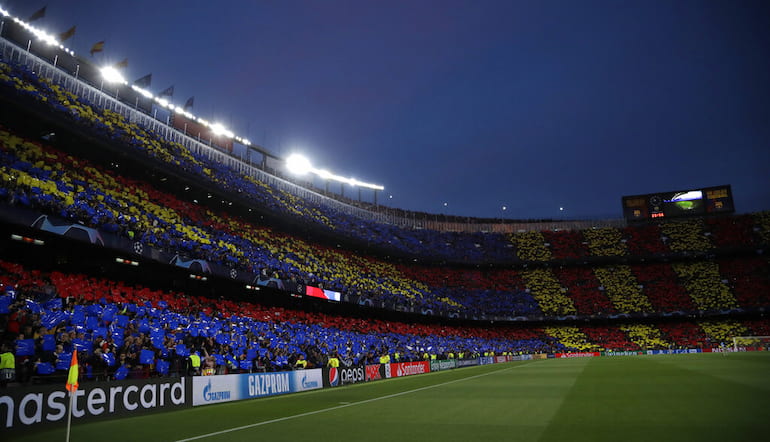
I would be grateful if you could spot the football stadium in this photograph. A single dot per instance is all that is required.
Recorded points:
(164, 278)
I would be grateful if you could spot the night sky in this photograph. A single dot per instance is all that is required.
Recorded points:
(532, 105)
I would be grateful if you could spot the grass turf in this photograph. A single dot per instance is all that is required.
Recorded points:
(698, 397)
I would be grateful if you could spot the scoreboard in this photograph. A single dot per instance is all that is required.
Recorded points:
(681, 203)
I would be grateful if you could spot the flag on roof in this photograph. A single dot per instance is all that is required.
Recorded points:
(144, 81)
(67, 34)
(97, 47)
(40, 13)
(121, 64)
(168, 92)
(189, 103)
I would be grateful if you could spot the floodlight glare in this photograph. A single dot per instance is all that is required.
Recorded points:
(298, 164)
(218, 129)
(144, 92)
(325, 174)
(111, 75)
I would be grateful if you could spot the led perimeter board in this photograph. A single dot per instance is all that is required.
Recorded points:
(677, 204)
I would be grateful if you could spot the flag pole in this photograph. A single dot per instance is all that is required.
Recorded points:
(69, 416)
(72, 386)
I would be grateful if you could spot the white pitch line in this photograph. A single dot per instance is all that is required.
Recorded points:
(310, 413)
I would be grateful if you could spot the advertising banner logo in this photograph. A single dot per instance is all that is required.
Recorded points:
(334, 376)
(586, 354)
(409, 368)
(233, 387)
(352, 375)
(266, 384)
(215, 389)
(25, 406)
(308, 379)
(373, 372)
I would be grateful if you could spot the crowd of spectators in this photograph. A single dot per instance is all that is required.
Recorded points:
(662, 288)
(126, 331)
(129, 331)
(39, 176)
(645, 336)
(606, 242)
(704, 284)
(573, 337)
(670, 236)
(531, 246)
(565, 244)
(686, 236)
(622, 289)
(548, 292)
(583, 288)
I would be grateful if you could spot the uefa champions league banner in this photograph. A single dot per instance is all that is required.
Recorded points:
(136, 248)
(678, 351)
(467, 362)
(235, 387)
(486, 360)
(443, 364)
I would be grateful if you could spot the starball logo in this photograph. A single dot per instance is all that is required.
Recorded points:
(334, 376)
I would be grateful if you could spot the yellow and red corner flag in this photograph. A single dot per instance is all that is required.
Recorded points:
(72, 378)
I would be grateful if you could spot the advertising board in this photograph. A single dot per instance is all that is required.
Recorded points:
(400, 369)
(38, 405)
(233, 387)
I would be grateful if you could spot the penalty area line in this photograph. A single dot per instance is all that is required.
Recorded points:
(351, 404)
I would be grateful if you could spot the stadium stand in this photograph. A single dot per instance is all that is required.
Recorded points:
(672, 273)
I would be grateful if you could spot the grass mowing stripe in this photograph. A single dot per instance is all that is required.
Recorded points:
(310, 413)
(652, 398)
(747, 369)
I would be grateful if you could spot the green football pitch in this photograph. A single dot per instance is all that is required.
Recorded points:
(700, 397)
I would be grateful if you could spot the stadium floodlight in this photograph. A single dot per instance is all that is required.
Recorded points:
(143, 92)
(4, 12)
(219, 129)
(39, 33)
(298, 164)
(325, 174)
(111, 75)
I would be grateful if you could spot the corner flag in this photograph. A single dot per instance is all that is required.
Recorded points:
(72, 378)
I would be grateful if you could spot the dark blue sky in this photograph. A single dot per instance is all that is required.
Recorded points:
(480, 104)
